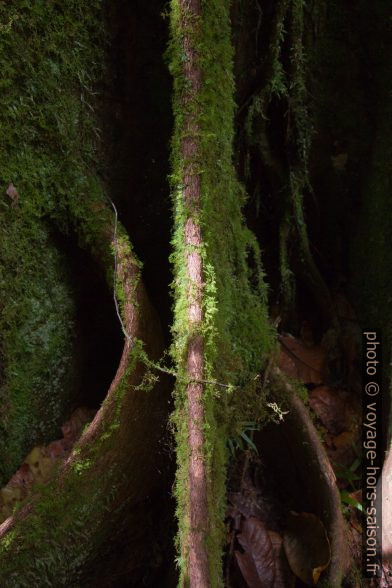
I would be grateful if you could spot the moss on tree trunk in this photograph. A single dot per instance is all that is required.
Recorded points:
(316, 165)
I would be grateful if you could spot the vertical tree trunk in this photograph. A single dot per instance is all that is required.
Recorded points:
(196, 548)
(220, 329)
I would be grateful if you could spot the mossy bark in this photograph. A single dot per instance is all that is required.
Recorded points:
(221, 332)
(195, 548)
(314, 149)
(55, 537)
(53, 60)
(38, 380)
(50, 146)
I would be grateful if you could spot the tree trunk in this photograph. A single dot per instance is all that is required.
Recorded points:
(67, 518)
(84, 113)
(219, 298)
(195, 546)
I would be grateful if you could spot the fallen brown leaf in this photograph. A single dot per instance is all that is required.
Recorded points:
(306, 546)
(39, 464)
(22, 479)
(73, 428)
(284, 577)
(330, 408)
(342, 450)
(344, 439)
(257, 563)
(57, 449)
(301, 362)
(248, 570)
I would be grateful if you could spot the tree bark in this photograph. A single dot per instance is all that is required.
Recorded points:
(114, 466)
(222, 335)
(196, 548)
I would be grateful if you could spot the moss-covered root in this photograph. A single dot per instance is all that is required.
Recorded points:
(315, 470)
(54, 539)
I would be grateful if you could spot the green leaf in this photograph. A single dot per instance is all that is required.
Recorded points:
(249, 441)
(347, 499)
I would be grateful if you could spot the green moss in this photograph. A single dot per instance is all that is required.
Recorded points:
(51, 58)
(37, 338)
(38, 550)
(235, 328)
(62, 535)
